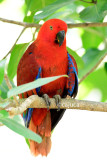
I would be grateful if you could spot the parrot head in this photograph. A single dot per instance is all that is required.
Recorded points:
(53, 31)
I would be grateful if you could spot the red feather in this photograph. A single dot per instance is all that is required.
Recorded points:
(53, 60)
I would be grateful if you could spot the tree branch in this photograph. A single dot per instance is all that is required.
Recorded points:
(24, 24)
(35, 101)
(82, 25)
(97, 64)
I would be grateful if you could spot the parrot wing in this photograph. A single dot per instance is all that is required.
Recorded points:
(28, 113)
(72, 82)
(28, 71)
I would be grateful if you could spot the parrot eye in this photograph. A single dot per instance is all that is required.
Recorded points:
(51, 28)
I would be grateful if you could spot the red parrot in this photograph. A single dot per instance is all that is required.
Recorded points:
(47, 56)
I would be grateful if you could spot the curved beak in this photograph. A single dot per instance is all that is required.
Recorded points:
(60, 37)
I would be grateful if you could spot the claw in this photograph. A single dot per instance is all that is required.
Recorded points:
(47, 100)
(58, 101)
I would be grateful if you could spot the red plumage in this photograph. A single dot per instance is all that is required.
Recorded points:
(46, 53)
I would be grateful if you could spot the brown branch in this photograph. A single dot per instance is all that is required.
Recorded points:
(82, 25)
(97, 64)
(66, 103)
(24, 24)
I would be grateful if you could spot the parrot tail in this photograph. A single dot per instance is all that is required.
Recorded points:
(44, 130)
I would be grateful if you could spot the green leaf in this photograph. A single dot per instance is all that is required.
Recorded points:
(32, 6)
(91, 58)
(2, 68)
(27, 141)
(67, 13)
(79, 61)
(19, 119)
(1, 1)
(51, 9)
(4, 103)
(4, 113)
(35, 84)
(16, 55)
(96, 80)
(4, 89)
(29, 18)
(18, 128)
(91, 38)
(95, 13)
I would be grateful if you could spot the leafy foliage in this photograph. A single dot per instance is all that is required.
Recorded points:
(91, 38)
(91, 58)
(4, 89)
(15, 57)
(51, 9)
(99, 11)
(97, 80)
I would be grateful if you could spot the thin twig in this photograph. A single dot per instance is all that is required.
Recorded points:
(10, 87)
(97, 64)
(82, 25)
(15, 43)
(33, 38)
(35, 101)
(93, 1)
(24, 24)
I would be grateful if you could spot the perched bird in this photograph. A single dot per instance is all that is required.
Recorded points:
(47, 56)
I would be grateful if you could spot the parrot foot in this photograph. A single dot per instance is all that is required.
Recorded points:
(58, 101)
(47, 100)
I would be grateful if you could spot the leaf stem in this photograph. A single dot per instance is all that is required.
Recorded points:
(15, 43)
(97, 64)
(10, 87)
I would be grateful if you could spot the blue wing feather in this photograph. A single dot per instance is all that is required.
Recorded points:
(38, 76)
(73, 85)
(28, 114)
